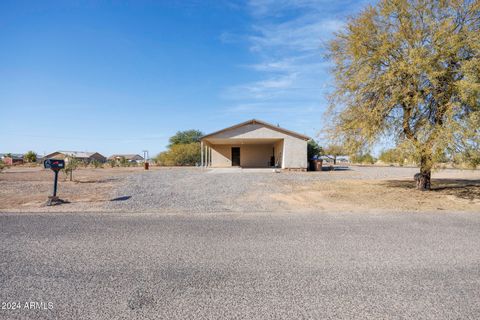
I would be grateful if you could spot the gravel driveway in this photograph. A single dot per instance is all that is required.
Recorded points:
(241, 266)
(196, 190)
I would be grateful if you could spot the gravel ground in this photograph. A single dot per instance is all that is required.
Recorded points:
(241, 266)
(197, 190)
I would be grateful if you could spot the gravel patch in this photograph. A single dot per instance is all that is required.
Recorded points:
(194, 190)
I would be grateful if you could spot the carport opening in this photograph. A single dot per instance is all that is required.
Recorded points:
(244, 153)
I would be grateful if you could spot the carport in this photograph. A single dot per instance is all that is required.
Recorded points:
(245, 153)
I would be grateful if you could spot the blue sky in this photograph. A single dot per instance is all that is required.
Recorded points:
(123, 76)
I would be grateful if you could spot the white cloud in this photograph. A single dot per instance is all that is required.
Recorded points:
(266, 108)
(307, 33)
(289, 39)
(261, 90)
(303, 64)
(282, 82)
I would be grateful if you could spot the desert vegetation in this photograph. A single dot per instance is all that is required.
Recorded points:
(410, 71)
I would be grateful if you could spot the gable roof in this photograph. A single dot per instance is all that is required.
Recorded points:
(263, 123)
(76, 154)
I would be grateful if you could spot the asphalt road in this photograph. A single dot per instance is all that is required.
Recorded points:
(240, 266)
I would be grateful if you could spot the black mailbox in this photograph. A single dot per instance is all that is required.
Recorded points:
(54, 164)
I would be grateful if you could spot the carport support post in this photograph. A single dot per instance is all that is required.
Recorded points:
(206, 156)
(201, 154)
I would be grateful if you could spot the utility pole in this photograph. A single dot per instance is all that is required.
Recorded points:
(145, 159)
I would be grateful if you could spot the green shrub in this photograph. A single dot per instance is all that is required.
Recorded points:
(112, 163)
(71, 164)
(366, 158)
(96, 164)
(313, 149)
(180, 155)
(392, 156)
(469, 159)
(30, 156)
(123, 162)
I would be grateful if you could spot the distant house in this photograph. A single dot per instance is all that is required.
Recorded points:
(129, 157)
(80, 155)
(11, 159)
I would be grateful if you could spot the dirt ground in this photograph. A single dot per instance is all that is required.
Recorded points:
(385, 195)
(28, 188)
(354, 190)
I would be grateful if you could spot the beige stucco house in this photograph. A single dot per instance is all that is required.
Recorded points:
(255, 144)
(79, 155)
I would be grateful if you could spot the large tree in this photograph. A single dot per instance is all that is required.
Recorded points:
(185, 137)
(410, 70)
(183, 150)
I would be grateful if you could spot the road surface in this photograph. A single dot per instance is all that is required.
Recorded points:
(240, 266)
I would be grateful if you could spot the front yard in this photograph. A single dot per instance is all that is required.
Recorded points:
(193, 190)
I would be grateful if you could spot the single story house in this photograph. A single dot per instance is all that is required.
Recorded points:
(254, 144)
(129, 157)
(80, 155)
(11, 159)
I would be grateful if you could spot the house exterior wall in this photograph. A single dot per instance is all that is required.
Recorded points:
(256, 155)
(251, 156)
(222, 156)
(294, 153)
(12, 161)
(55, 155)
(129, 157)
(98, 157)
(278, 153)
(251, 131)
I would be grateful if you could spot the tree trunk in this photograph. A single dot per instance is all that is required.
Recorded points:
(422, 178)
(335, 160)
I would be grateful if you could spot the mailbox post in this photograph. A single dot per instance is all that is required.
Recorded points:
(55, 165)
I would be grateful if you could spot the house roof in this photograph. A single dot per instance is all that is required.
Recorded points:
(266, 124)
(126, 156)
(78, 154)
